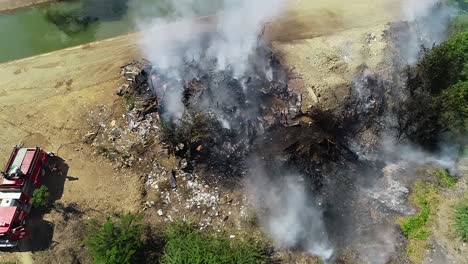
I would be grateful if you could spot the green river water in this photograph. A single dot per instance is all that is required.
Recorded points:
(39, 29)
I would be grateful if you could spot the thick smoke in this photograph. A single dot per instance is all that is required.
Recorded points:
(231, 40)
(428, 23)
(290, 214)
(228, 39)
(425, 24)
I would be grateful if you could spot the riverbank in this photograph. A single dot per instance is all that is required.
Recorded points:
(6, 5)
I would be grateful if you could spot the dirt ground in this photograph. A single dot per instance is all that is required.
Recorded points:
(308, 19)
(14, 4)
(45, 101)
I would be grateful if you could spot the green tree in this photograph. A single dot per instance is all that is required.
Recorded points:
(438, 95)
(459, 24)
(462, 4)
(445, 65)
(454, 108)
(117, 241)
(40, 198)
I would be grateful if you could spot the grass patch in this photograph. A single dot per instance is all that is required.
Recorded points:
(186, 244)
(461, 220)
(444, 179)
(425, 195)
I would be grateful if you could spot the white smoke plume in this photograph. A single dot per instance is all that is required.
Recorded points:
(292, 219)
(229, 37)
(289, 213)
(428, 25)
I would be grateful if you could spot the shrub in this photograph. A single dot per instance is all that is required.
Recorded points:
(445, 65)
(186, 244)
(461, 221)
(454, 108)
(438, 94)
(117, 241)
(444, 179)
(40, 197)
(459, 24)
(462, 4)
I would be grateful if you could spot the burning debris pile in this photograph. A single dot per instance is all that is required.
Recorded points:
(221, 114)
(122, 140)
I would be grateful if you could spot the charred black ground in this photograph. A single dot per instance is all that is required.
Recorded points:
(221, 114)
(228, 120)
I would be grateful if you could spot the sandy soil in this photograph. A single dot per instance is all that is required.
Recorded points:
(325, 66)
(307, 19)
(45, 101)
(14, 4)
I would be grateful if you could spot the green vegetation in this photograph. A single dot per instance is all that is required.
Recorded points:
(454, 108)
(40, 198)
(461, 220)
(117, 241)
(445, 65)
(462, 4)
(438, 89)
(414, 227)
(187, 245)
(444, 179)
(425, 195)
(459, 24)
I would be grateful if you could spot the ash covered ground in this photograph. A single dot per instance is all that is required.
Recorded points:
(249, 131)
(319, 179)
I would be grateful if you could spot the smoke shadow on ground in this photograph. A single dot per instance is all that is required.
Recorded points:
(55, 178)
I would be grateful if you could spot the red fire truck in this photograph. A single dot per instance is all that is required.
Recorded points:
(21, 176)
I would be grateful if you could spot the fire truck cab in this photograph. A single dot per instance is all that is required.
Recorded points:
(21, 176)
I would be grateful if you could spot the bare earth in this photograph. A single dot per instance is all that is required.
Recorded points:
(44, 101)
(14, 4)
